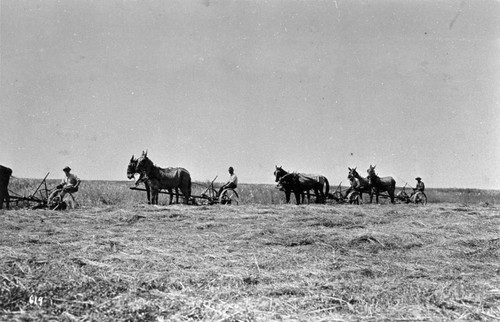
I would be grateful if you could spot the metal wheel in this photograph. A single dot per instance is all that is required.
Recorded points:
(353, 197)
(54, 201)
(229, 197)
(420, 198)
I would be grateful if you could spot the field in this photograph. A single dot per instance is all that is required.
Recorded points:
(116, 258)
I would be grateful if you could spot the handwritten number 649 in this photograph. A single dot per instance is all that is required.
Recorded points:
(36, 300)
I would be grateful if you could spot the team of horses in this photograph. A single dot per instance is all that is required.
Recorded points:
(301, 184)
(170, 179)
(156, 178)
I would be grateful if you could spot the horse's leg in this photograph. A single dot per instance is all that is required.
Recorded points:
(177, 195)
(327, 189)
(322, 193)
(171, 196)
(154, 196)
(185, 187)
(287, 195)
(316, 193)
(4, 195)
(305, 194)
(297, 196)
(146, 183)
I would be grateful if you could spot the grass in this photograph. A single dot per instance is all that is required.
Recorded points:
(252, 263)
(119, 259)
(96, 193)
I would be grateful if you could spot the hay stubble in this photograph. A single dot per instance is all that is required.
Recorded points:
(252, 263)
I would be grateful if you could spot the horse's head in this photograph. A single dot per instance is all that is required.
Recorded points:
(279, 173)
(287, 181)
(371, 171)
(352, 173)
(131, 168)
(144, 164)
(142, 178)
(371, 174)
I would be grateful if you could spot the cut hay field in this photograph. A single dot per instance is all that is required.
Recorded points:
(118, 259)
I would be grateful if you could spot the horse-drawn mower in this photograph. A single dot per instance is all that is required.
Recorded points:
(209, 196)
(417, 197)
(44, 198)
(353, 197)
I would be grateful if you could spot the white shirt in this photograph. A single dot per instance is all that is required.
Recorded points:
(70, 180)
(233, 179)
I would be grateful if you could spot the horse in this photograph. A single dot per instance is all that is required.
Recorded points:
(299, 182)
(381, 184)
(142, 177)
(166, 178)
(288, 183)
(5, 174)
(359, 184)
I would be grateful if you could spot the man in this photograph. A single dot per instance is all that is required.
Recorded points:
(420, 185)
(69, 184)
(232, 183)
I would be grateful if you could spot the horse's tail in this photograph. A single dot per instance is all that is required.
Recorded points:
(189, 186)
(187, 183)
(327, 189)
(393, 184)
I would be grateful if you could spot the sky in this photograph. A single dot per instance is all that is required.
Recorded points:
(412, 87)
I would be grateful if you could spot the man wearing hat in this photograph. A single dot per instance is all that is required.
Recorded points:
(69, 184)
(232, 183)
(420, 185)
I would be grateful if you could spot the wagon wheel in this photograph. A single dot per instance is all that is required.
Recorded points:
(353, 197)
(420, 198)
(54, 201)
(229, 197)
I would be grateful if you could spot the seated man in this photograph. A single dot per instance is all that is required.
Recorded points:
(420, 185)
(232, 183)
(69, 184)
(419, 188)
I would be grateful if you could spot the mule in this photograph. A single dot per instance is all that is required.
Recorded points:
(142, 177)
(299, 182)
(381, 184)
(166, 178)
(5, 174)
(359, 184)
